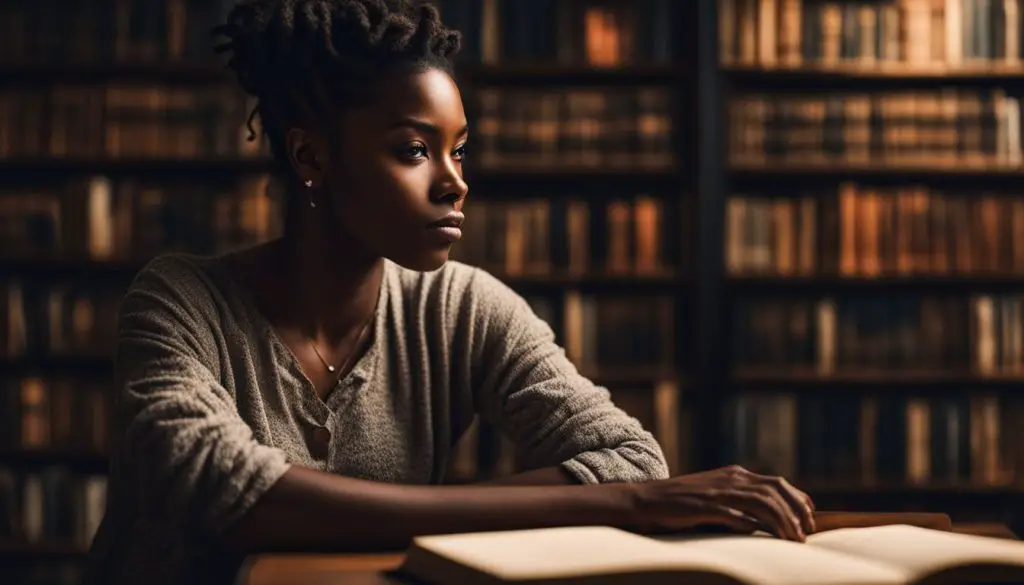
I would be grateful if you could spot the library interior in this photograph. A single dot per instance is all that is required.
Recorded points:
(721, 208)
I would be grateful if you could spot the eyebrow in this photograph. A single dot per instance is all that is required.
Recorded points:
(424, 126)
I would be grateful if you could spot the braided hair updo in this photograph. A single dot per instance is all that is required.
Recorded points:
(302, 59)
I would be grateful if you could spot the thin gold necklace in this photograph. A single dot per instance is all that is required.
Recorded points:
(355, 351)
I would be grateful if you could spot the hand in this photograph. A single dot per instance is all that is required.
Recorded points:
(729, 497)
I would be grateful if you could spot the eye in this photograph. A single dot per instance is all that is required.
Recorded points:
(414, 151)
(460, 152)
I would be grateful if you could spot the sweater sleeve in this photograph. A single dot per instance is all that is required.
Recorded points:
(186, 454)
(531, 391)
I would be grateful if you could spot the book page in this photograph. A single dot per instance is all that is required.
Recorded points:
(558, 553)
(919, 550)
(766, 560)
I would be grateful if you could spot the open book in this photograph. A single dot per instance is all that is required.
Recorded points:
(884, 555)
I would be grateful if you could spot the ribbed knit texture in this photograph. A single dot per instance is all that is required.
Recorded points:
(213, 408)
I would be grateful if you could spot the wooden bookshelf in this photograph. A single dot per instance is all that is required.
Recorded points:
(837, 168)
(834, 124)
(935, 72)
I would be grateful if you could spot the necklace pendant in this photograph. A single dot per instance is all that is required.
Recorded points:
(330, 368)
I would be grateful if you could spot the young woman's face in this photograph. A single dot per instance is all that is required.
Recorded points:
(395, 171)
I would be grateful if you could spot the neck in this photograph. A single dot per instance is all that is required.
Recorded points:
(330, 291)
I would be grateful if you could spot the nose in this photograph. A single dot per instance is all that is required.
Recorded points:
(450, 189)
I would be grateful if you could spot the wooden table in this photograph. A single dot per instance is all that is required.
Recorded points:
(320, 569)
(372, 569)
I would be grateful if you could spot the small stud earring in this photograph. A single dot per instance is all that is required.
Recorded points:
(309, 185)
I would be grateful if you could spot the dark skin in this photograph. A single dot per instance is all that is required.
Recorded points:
(398, 163)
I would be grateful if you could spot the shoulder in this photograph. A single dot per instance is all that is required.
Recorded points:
(179, 282)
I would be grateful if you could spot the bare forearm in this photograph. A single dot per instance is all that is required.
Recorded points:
(310, 510)
(556, 475)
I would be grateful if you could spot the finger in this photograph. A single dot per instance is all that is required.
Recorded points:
(737, 520)
(798, 501)
(731, 518)
(795, 501)
(779, 510)
(760, 502)
(810, 506)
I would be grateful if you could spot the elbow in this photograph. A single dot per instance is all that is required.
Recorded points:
(631, 461)
(199, 478)
(644, 458)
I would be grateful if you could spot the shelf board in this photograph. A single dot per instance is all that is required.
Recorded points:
(178, 167)
(81, 461)
(42, 168)
(572, 173)
(828, 76)
(620, 378)
(124, 270)
(593, 282)
(751, 379)
(63, 268)
(35, 552)
(559, 75)
(831, 283)
(57, 366)
(88, 73)
(839, 169)
(213, 73)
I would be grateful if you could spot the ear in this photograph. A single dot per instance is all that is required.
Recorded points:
(304, 155)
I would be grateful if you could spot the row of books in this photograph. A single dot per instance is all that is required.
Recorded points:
(968, 439)
(884, 332)
(58, 319)
(585, 32)
(484, 452)
(594, 33)
(55, 415)
(109, 31)
(938, 127)
(608, 126)
(909, 33)
(50, 506)
(131, 219)
(139, 121)
(101, 218)
(635, 332)
(543, 236)
(868, 231)
(551, 128)
(612, 335)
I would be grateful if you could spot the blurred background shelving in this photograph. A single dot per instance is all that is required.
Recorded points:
(782, 233)
(870, 268)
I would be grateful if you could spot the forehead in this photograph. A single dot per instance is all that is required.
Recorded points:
(431, 95)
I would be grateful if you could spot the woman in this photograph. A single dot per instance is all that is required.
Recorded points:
(305, 393)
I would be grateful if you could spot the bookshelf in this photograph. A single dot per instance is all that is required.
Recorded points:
(710, 221)
(869, 248)
(120, 138)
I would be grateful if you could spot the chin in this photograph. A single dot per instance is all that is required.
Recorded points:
(424, 262)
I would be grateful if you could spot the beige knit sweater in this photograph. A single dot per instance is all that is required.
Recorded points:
(213, 408)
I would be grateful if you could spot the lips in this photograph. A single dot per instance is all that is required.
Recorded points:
(448, 229)
(452, 220)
